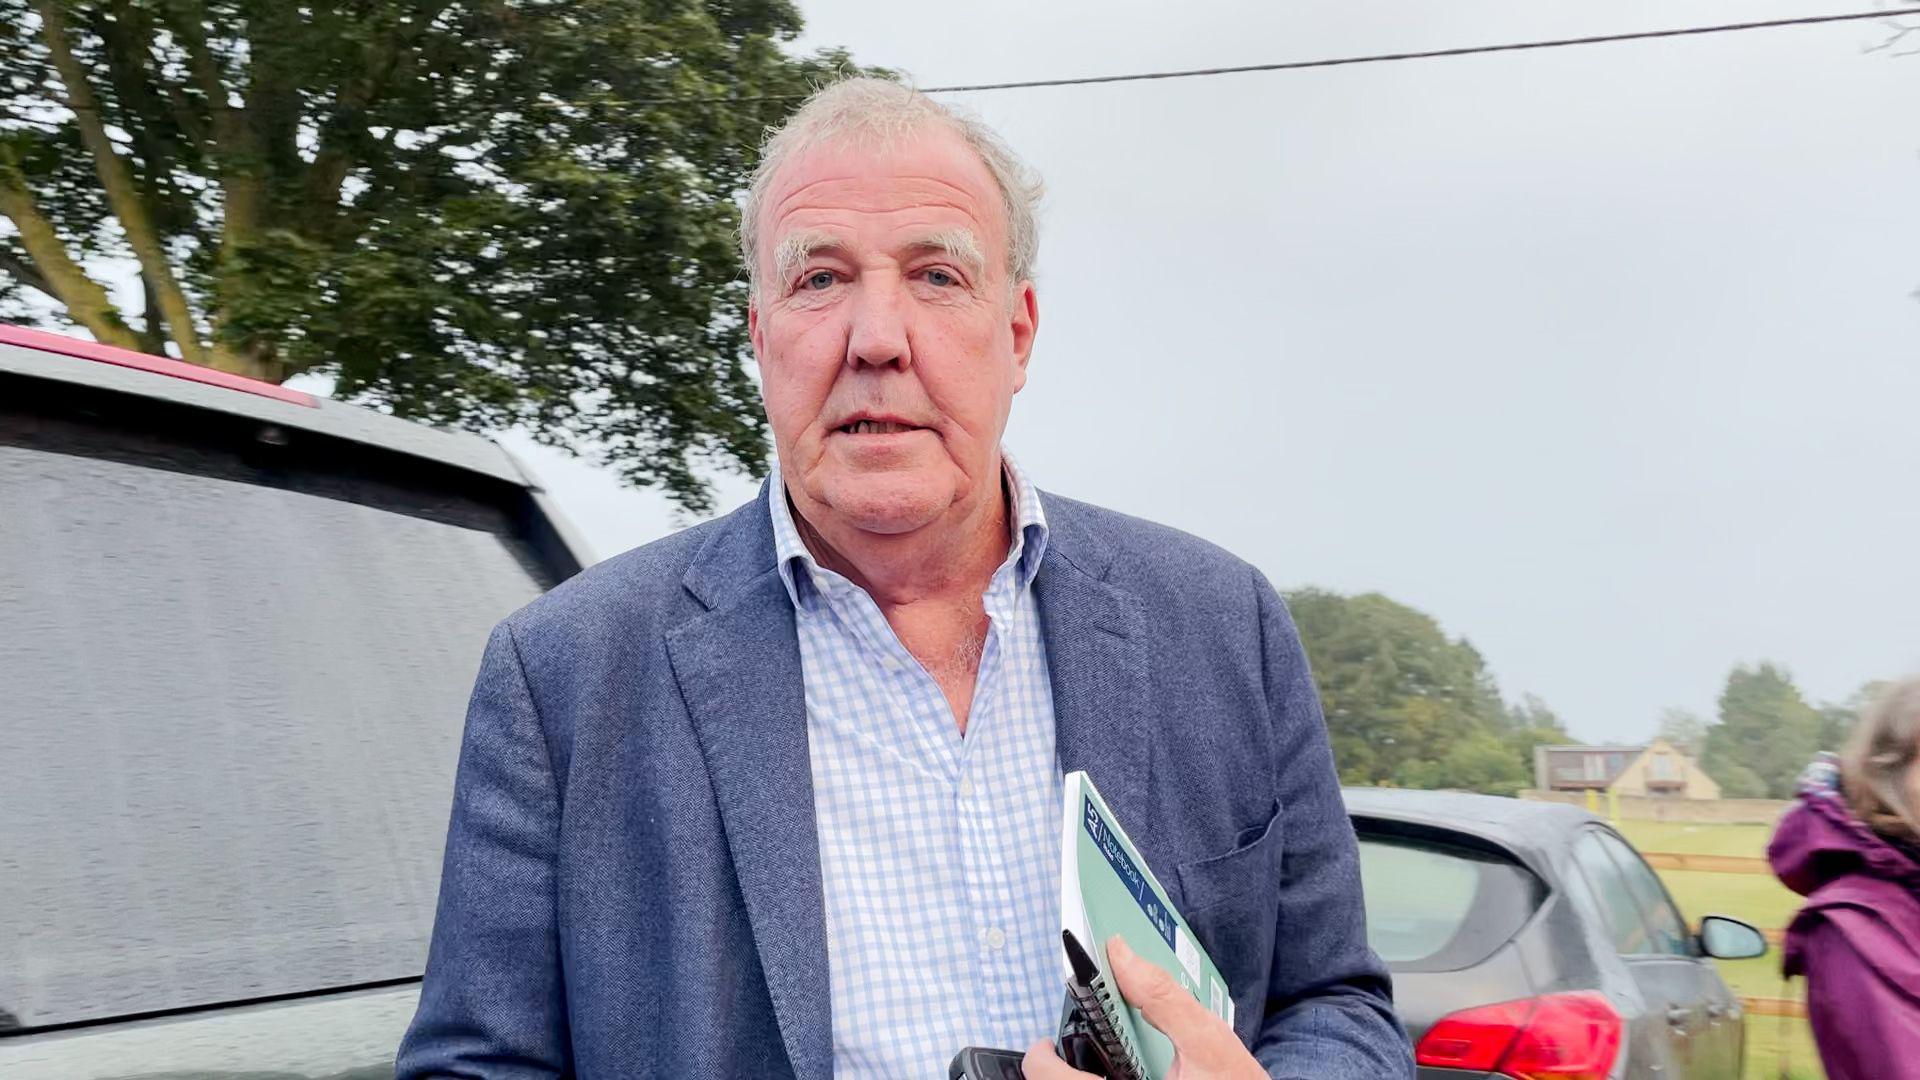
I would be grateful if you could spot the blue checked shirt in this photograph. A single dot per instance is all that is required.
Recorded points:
(939, 854)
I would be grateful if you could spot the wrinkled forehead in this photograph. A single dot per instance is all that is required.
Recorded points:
(924, 179)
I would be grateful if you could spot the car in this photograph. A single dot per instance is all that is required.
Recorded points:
(1530, 939)
(238, 628)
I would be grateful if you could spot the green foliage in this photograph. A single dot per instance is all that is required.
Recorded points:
(1835, 724)
(1531, 713)
(1837, 721)
(1522, 742)
(1738, 781)
(1482, 761)
(474, 214)
(1684, 729)
(1408, 706)
(1765, 736)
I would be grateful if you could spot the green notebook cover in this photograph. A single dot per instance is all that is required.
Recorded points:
(1106, 889)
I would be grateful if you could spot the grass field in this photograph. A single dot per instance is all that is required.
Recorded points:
(1755, 898)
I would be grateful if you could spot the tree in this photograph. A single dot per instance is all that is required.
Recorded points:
(1739, 782)
(1522, 742)
(1481, 762)
(481, 213)
(1684, 729)
(1532, 724)
(1837, 721)
(1406, 705)
(1530, 712)
(1765, 727)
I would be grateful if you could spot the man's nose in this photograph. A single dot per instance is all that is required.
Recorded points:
(878, 336)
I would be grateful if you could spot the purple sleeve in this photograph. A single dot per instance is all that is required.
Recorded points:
(1858, 1021)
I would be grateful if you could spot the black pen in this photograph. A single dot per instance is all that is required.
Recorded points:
(1095, 1046)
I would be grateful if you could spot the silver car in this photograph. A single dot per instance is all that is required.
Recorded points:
(1531, 940)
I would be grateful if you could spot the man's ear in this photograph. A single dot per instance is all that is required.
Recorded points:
(753, 325)
(1026, 323)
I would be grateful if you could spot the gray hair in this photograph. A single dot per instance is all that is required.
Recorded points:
(881, 111)
(1878, 760)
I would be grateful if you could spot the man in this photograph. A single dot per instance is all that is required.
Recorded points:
(780, 795)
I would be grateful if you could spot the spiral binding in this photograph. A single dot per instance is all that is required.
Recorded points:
(1098, 1007)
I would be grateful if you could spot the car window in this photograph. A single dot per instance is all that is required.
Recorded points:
(1435, 907)
(1609, 888)
(1668, 931)
(231, 715)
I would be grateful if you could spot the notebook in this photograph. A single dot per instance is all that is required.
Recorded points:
(1106, 889)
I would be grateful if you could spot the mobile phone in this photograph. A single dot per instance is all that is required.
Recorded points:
(978, 1063)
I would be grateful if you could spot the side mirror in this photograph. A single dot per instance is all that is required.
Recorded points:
(1730, 939)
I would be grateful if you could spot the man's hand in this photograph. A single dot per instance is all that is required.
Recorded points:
(1204, 1047)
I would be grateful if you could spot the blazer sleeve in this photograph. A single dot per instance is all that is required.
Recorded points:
(1329, 1014)
(491, 1003)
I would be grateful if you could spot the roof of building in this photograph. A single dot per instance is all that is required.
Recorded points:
(1572, 747)
(1582, 766)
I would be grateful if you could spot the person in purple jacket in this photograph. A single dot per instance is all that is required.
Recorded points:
(1852, 848)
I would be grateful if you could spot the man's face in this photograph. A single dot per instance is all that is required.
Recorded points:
(890, 340)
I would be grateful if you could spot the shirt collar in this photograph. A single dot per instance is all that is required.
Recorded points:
(1028, 547)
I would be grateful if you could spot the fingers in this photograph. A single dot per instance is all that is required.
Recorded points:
(1043, 1063)
(1200, 1039)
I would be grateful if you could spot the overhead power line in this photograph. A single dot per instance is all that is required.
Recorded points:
(1299, 65)
(1292, 65)
(1427, 54)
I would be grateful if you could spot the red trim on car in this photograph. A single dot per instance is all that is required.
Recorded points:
(159, 365)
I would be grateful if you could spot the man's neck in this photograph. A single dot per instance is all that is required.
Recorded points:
(947, 561)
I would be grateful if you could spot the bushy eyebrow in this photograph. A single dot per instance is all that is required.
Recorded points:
(960, 245)
(796, 250)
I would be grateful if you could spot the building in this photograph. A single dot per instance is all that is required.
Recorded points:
(1658, 770)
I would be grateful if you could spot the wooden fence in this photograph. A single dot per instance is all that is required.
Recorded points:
(1712, 864)
(1734, 864)
(1792, 1007)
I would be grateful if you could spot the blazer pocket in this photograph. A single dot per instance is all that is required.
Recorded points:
(1253, 865)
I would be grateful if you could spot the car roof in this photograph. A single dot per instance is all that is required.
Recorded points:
(90, 366)
(53, 357)
(1530, 829)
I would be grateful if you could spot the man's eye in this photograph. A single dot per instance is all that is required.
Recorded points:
(940, 278)
(819, 279)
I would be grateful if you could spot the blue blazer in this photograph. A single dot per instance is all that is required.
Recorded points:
(632, 878)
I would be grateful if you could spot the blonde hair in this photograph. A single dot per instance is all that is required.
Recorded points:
(880, 112)
(1879, 759)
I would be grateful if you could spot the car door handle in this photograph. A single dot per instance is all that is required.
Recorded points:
(1716, 1011)
(1679, 1017)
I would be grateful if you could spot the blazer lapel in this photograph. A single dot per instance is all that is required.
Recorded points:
(1096, 653)
(739, 672)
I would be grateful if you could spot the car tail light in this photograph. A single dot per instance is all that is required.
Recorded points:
(1558, 1037)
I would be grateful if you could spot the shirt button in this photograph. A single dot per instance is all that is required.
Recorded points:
(966, 787)
(996, 938)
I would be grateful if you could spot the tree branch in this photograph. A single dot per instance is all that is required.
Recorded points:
(143, 110)
(331, 164)
(53, 270)
(153, 334)
(235, 154)
(274, 67)
(117, 180)
(192, 124)
(24, 272)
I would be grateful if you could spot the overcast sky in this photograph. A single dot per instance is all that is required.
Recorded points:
(1605, 357)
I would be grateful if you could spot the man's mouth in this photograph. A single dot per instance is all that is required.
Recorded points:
(875, 427)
